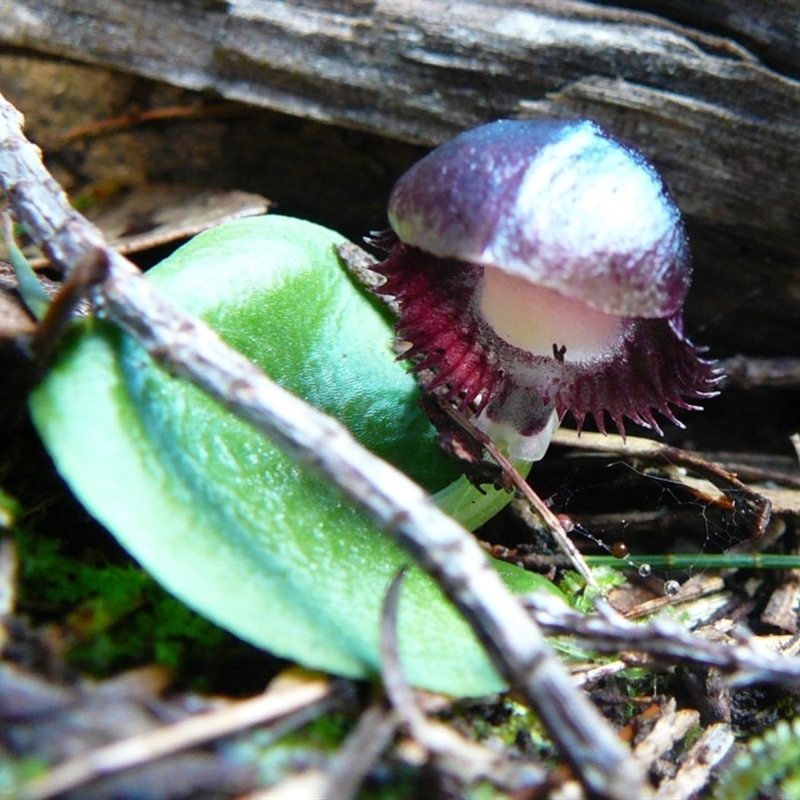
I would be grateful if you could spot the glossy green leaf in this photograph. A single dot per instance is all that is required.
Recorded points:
(221, 517)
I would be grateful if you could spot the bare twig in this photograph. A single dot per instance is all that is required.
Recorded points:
(746, 372)
(373, 733)
(447, 551)
(86, 274)
(587, 675)
(610, 632)
(303, 701)
(123, 122)
(467, 761)
(397, 690)
(695, 588)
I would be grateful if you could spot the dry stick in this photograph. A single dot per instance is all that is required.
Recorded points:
(745, 372)
(467, 761)
(394, 682)
(86, 274)
(189, 348)
(609, 632)
(123, 122)
(553, 523)
(359, 752)
(307, 699)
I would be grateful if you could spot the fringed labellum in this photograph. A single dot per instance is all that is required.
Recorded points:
(541, 267)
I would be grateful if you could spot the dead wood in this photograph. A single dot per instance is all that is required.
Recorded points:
(722, 122)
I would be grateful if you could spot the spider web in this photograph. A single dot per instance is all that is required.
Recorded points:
(634, 511)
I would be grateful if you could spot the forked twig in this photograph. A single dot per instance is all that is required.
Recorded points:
(399, 507)
(610, 632)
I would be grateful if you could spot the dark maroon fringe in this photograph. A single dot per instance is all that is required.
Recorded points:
(656, 370)
(440, 326)
(459, 359)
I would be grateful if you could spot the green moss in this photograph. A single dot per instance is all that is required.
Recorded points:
(9, 510)
(114, 616)
(500, 719)
(16, 772)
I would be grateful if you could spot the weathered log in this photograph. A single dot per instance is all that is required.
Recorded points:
(769, 30)
(723, 127)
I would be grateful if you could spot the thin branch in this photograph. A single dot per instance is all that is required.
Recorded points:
(303, 701)
(352, 763)
(398, 691)
(610, 632)
(557, 529)
(466, 762)
(189, 348)
(746, 372)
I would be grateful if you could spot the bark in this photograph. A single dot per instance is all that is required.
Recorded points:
(722, 122)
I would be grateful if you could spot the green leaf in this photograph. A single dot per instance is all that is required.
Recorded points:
(32, 292)
(9, 511)
(222, 518)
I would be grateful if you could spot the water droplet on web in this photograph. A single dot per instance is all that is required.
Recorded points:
(620, 550)
(671, 588)
(99, 305)
(566, 522)
(645, 571)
